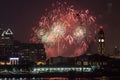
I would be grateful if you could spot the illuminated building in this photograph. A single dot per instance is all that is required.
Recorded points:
(6, 37)
(90, 59)
(6, 44)
(101, 41)
(30, 52)
(13, 52)
(14, 61)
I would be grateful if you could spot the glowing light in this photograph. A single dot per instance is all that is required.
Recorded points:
(9, 32)
(102, 40)
(67, 25)
(58, 29)
(101, 27)
(79, 33)
(63, 69)
(40, 33)
(99, 40)
(48, 38)
(14, 58)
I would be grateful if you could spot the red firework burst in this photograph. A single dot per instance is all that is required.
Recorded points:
(65, 30)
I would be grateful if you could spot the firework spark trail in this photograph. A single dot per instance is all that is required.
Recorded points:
(73, 28)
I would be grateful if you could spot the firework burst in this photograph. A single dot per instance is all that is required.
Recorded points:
(65, 27)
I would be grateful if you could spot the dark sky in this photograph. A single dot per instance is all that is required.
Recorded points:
(22, 15)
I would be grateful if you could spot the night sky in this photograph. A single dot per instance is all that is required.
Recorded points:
(22, 15)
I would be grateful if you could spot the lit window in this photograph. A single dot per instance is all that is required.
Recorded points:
(7, 37)
(99, 40)
(85, 63)
(102, 40)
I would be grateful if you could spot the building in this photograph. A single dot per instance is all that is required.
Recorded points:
(6, 45)
(6, 37)
(90, 59)
(61, 61)
(101, 41)
(30, 52)
(13, 52)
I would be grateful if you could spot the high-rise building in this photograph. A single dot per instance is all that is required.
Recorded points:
(6, 37)
(14, 52)
(6, 44)
(101, 41)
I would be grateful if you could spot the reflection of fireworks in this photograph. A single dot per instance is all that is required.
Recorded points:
(73, 28)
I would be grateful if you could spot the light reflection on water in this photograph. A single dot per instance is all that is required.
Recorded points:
(44, 79)
(57, 78)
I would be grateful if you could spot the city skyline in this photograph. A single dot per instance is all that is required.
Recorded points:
(21, 16)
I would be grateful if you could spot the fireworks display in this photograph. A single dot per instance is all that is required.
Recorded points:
(65, 30)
